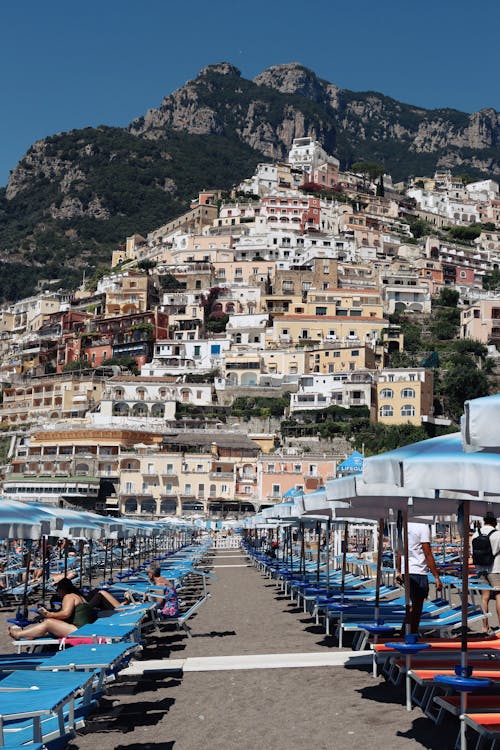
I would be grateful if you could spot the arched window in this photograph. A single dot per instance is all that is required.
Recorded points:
(120, 410)
(408, 393)
(386, 411)
(139, 410)
(238, 338)
(408, 410)
(141, 394)
(387, 393)
(158, 410)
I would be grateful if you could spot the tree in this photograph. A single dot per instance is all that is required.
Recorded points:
(169, 282)
(146, 265)
(491, 281)
(463, 381)
(448, 297)
(368, 169)
(445, 325)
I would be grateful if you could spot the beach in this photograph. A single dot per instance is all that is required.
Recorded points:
(207, 703)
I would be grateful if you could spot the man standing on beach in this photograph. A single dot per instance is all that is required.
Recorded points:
(489, 570)
(420, 561)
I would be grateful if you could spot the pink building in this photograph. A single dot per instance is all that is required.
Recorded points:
(279, 474)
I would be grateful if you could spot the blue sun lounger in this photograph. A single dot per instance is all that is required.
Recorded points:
(37, 708)
(444, 624)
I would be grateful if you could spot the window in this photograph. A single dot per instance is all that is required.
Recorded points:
(187, 489)
(408, 393)
(386, 411)
(270, 468)
(197, 351)
(297, 468)
(387, 393)
(355, 353)
(276, 491)
(321, 311)
(408, 410)
(304, 334)
(215, 349)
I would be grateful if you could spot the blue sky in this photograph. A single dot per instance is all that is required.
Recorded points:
(69, 65)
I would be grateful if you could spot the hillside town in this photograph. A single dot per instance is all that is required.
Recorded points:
(151, 391)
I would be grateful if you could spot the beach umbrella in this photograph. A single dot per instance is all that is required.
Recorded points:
(14, 526)
(71, 523)
(25, 521)
(443, 464)
(480, 425)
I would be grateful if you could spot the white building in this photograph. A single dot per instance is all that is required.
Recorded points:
(248, 330)
(307, 154)
(150, 398)
(342, 389)
(187, 356)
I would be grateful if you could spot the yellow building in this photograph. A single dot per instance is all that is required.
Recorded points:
(283, 361)
(339, 357)
(402, 395)
(51, 397)
(127, 293)
(310, 330)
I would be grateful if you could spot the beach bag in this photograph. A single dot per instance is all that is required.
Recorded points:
(482, 554)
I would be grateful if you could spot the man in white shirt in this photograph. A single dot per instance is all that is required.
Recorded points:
(491, 574)
(420, 560)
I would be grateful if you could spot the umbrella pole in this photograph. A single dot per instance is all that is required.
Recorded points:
(65, 558)
(44, 567)
(26, 582)
(111, 563)
(380, 549)
(90, 563)
(81, 561)
(407, 607)
(328, 532)
(344, 559)
(302, 568)
(105, 561)
(465, 608)
(342, 585)
(318, 557)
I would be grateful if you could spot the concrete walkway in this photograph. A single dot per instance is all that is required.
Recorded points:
(256, 673)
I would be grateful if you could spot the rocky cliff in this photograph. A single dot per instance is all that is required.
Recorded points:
(76, 195)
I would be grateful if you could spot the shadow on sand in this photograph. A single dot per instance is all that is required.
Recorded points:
(127, 716)
(214, 634)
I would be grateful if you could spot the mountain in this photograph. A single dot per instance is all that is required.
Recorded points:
(75, 196)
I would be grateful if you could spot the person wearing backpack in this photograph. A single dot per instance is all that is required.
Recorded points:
(486, 558)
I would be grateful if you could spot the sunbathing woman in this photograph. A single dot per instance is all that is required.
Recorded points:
(74, 613)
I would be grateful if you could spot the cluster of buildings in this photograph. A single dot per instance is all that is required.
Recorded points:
(285, 287)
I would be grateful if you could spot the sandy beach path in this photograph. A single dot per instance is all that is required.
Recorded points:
(325, 708)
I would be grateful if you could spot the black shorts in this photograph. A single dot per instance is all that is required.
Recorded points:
(419, 586)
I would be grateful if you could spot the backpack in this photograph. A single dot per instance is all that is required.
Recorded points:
(482, 554)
